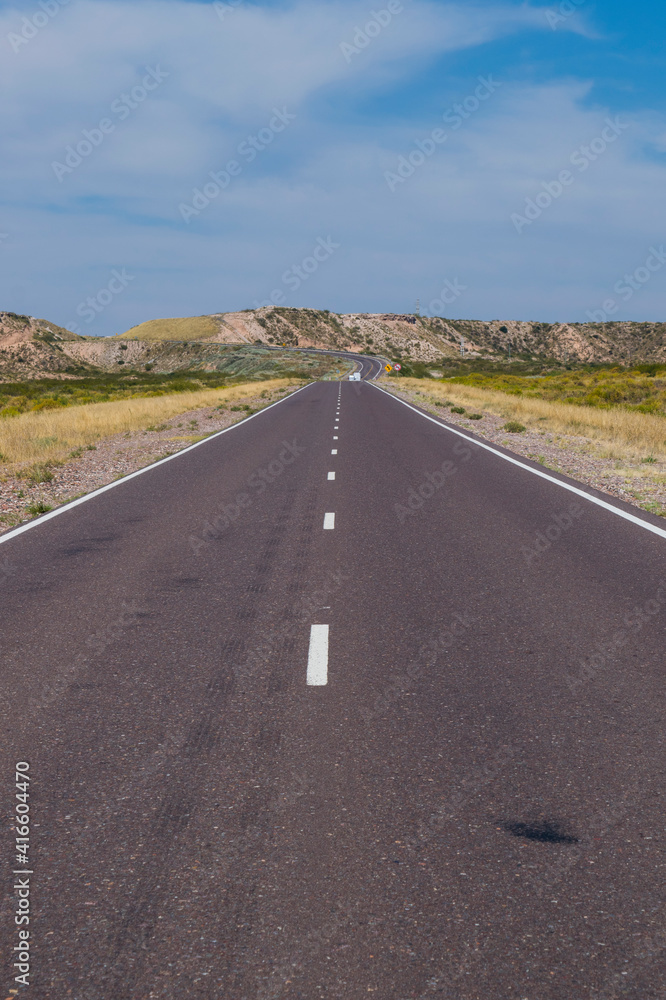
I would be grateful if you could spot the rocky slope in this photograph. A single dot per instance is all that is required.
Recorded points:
(420, 338)
(35, 348)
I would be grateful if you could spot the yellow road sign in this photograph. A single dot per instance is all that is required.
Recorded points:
(389, 368)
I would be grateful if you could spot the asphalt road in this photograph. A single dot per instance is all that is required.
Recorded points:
(454, 791)
(370, 367)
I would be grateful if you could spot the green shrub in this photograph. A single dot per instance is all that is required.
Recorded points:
(457, 409)
(37, 508)
(38, 473)
(475, 416)
(513, 427)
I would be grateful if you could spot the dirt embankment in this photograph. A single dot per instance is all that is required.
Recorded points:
(34, 348)
(420, 338)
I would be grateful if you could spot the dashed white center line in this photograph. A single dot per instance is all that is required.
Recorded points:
(318, 656)
(329, 522)
(334, 452)
(331, 475)
(334, 438)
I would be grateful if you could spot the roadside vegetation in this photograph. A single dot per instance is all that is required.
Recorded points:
(36, 395)
(620, 429)
(641, 390)
(43, 437)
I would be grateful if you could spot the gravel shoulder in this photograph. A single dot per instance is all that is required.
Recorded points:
(637, 483)
(114, 457)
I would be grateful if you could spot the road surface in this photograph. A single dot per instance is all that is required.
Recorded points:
(397, 732)
(369, 367)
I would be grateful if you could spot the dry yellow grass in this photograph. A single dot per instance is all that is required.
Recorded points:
(619, 433)
(52, 434)
(185, 328)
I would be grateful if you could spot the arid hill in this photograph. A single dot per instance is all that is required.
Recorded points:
(419, 338)
(34, 348)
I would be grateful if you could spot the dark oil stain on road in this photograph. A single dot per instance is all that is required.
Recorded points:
(545, 831)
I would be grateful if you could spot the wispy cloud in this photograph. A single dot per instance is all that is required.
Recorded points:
(354, 119)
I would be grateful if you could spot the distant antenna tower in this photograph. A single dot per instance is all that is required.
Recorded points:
(462, 347)
(418, 307)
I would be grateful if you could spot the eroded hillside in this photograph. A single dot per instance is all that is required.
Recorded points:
(419, 338)
(31, 348)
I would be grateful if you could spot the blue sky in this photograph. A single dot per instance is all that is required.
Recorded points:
(183, 89)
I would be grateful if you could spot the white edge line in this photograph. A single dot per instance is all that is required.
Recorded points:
(317, 673)
(118, 482)
(535, 472)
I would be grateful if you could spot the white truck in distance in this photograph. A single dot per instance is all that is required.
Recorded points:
(355, 377)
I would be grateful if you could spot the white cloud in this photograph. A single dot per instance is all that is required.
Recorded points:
(323, 175)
